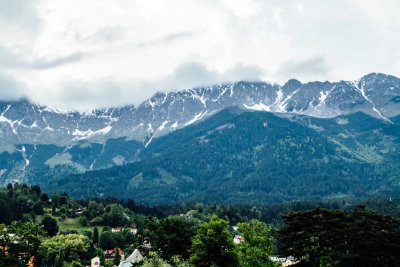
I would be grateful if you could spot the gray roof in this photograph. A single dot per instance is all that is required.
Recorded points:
(134, 257)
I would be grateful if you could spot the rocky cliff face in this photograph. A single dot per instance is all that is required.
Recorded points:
(39, 143)
(22, 122)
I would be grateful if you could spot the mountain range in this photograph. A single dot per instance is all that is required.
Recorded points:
(350, 126)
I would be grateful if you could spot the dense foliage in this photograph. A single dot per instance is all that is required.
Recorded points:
(22, 246)
(213, 245)
(194, 234)
(172, 236)
(257, 244)
(21, 202)
(323, 237)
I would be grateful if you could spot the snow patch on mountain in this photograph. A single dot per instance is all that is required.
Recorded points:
(196, 118)
(27, 123)
(362, 91)
(80, 135)
(259, 107)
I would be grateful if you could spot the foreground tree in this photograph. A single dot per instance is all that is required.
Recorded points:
(20, 243)
(117, 257)
(213, 245)
(107, 241)
(95, 236)
(72, 247)
(173, 236)
(50, 225)
(323, 237)
(154, 260)
(373, 239)
(257, 244)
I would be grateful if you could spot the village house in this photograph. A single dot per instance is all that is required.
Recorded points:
(187, 216)
(79, 211)
(285, 261)
(95, 262)
(119, 229)
(237, 239)
(109, 254)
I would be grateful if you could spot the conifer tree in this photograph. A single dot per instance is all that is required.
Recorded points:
(96, 236)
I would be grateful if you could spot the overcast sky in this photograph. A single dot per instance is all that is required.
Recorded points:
(85, 54)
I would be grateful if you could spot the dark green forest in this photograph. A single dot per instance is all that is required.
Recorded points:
(254, 157)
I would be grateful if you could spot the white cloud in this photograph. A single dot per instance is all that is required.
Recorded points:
(307, 69)
(109, 91)
(76, 53)
(10, 88)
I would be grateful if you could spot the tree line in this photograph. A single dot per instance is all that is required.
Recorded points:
(194, 234)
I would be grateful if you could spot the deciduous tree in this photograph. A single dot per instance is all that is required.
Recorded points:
(257, 244)
(19, 242)
(213, 245)
(50, 225)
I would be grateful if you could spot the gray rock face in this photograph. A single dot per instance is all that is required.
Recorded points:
(22, 122)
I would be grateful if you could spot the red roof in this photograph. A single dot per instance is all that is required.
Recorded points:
(111, 251)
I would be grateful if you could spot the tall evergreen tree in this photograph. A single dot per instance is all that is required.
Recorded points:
(323, 237)
(96, 236)
(117, 257)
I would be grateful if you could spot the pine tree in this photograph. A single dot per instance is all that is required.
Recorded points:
(95, 236)
(117, 257)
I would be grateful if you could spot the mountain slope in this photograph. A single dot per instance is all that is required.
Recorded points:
(238, 156)
(41, 143)
(22, 122)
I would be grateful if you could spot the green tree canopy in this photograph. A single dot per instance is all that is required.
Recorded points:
(107, 241)
(95, 236)
(213, 245)
(323, 237)
(154, 260)
(173, 236)
(116, 216)
(117, 257)
(50, 225)
(72, 247)
(22, 241)
(257, 244)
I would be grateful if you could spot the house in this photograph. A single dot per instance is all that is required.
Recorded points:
(79, 211)
(117, 229)
(285, 261)
(187, 216)
(133, 258)
(289, 261)
(146, 246)
(238, 239)
(95, 262)
(109, 254)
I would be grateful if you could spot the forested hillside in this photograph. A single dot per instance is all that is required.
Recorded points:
(238, 156)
